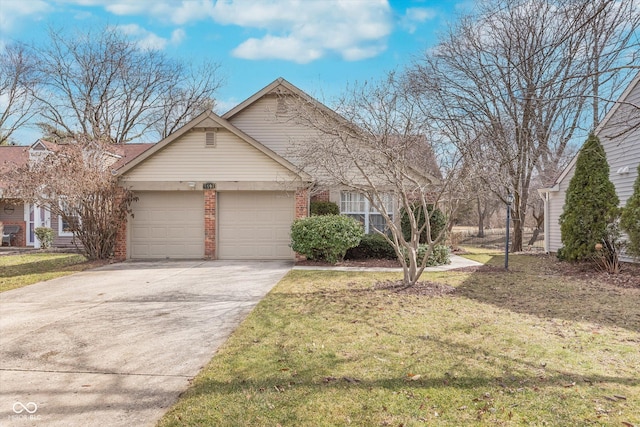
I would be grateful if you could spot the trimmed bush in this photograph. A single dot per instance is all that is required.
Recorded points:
(438, 222)
(630, 220)
(326, 237)
(324, 208)
(589, 204)
(372, 246)
(45, 235)
(439, 256)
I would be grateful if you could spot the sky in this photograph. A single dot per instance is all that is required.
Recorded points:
(321, 46)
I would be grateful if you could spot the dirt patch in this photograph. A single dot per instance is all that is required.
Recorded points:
(629, 276)
(429, 289)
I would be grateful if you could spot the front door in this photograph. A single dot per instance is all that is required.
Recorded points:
(35, 216)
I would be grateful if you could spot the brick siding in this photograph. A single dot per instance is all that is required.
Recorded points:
(210, 224)
(20, 238)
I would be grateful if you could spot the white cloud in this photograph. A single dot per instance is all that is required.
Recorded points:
(149, 40)
(415, 16)
(292, 30)
(305, 31)
(12, 12)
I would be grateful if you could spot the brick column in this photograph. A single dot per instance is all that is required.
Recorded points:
(20, 238)
(120, 248)
(302, 210)
(210, 224)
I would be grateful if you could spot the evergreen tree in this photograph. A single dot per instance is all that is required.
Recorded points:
(630, 221)
(590, 203)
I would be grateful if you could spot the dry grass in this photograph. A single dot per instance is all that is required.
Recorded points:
(17, 271)
(532, 346)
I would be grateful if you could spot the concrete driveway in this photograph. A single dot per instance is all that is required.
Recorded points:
(115, 346)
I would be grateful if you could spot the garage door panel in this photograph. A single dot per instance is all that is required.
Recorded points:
(255, 225)
(168, 224)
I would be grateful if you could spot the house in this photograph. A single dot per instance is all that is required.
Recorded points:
(226, 187)
(619, 133)
(28, 216)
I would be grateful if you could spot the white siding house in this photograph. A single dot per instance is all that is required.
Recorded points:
(619, 133)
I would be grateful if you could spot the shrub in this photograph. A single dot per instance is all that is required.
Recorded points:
(325, 237)
(438, 222)
(590, 201)
(372, 246)
(45, 235)
(324, 208)
(439, 256)
(630, 220)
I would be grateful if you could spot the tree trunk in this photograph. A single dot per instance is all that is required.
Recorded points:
(481, 215)
(516, 244)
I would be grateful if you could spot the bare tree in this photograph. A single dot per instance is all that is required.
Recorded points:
(76, 183)
(373, 147)
(102, 84)
(17, 84)
(515, 81)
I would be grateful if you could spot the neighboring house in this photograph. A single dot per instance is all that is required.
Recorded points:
(28, 216)
(619, 133)
(228, 187)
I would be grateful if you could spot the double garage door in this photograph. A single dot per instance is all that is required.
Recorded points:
(250, 225)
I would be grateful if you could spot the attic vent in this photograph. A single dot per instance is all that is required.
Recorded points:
(210, 139)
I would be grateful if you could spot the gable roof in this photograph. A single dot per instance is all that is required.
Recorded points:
(611, 113)
(282, 86)
(223, 123)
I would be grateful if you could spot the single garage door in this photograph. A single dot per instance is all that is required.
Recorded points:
(167, 224)
(255, 225)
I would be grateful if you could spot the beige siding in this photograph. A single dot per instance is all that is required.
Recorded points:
(187, 159)
(14, 211)
(167, 224)
(276, 132)
(623, 151)
(255, 225)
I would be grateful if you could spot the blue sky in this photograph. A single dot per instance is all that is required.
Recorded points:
(318, 45)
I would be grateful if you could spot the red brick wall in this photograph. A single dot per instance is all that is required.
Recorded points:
(210, 224)
(302, 210)
(120, 248)
(322, 196)
(20, 238)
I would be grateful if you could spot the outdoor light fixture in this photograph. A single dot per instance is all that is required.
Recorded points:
(506, 248)
(192, 185)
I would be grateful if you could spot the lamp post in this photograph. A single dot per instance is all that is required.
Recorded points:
(506, 248)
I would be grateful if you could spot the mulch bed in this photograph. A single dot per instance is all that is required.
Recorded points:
(386, 263)
(428, 289)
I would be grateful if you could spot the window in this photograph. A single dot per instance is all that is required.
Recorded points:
(357, 206)
(65, 228)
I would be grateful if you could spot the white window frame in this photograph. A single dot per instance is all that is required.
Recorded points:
(61, 231)
(349, 201)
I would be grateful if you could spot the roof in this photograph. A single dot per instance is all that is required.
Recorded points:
(428, 160)
(222, 123)
(612, 111)
(128, 152)
(11, 158)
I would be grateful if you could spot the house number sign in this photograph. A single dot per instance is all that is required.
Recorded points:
(209, 186)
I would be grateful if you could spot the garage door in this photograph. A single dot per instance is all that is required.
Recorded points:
(167, 224)
(255, 225)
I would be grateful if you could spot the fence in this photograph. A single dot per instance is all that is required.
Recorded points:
(493, 238)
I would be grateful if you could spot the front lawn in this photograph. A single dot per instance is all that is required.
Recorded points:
(22, 270)
(532, 346)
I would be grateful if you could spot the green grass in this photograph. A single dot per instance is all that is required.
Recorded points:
(526, 347)
(22, 270)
